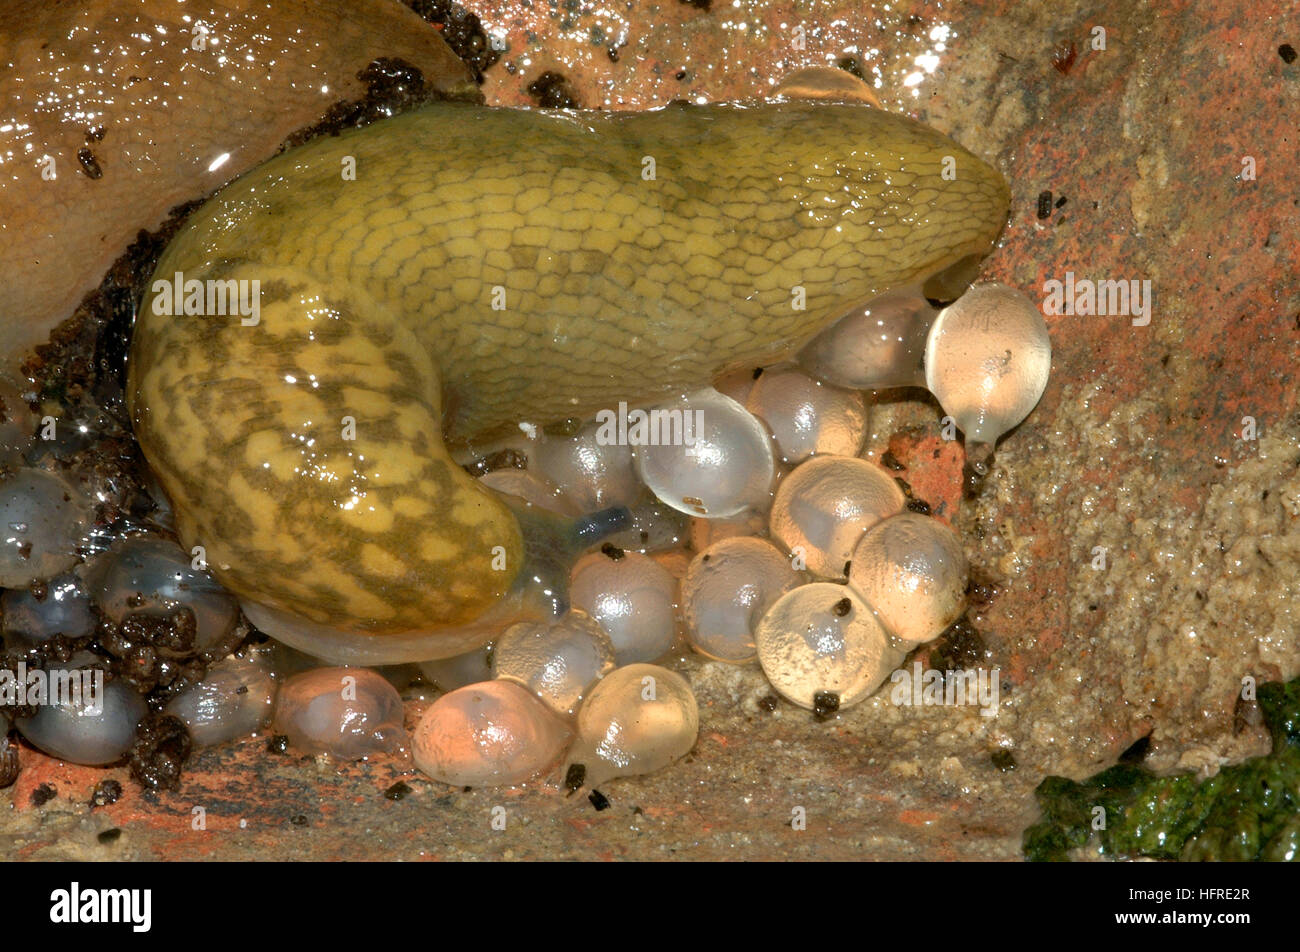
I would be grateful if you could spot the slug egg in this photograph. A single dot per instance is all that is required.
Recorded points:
(632, 597)
(593, 473)
(822, 648)
(62, 608)
(715, 458)
(705, 532)
(725, 592)
(155, 576)
(807, 416)
(556, 661)
(530, 487)
(459, 670)
(874, 347)
(912, 571)
(235, 698)
(987, 360)
(486, 735)
(96, 728)
(638, 719)
(823, 507)
(347, 712)
(655, 527)
(42, 522)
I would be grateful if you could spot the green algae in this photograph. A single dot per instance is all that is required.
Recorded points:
(1249, 811)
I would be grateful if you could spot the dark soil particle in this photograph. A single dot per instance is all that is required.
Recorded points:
(501, 459)
(397, 791)
(768, 702)
(842, 607)
(1044, 205)
(913, 503)
(106, 792)
(958, 648)
(1003, 759)
(43, 794)
(851, 65)
(552, 91)
(575, 777)
(890, 461)
(110, 836)
(462, 30)
(161, 747)
(392, 86)
(298, 819)
(278, 744)
(612, 551)
(825, 704)
(9, 765)
(598, 800)
(154, 652)
(980, 591)
(1287, 52)
(89, 164)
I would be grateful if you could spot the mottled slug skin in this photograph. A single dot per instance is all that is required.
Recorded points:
(377, 304)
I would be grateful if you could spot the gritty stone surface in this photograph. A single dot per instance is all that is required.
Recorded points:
(1137, 447)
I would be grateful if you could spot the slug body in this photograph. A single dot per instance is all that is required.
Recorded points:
(486, 267)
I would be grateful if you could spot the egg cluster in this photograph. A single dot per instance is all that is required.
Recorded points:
(758, 533)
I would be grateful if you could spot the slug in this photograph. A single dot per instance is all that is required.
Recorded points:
(112, 112)
(439, 277)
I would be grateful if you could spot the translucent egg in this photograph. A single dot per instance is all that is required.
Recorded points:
(459, 670)
(736, 384)
(823, 649)
(823, 507)
(488, 735)
(877, 346)
(235, 698)
(987, 360)
(726, 591)
(17, 424)
(62, 609)
(655, 527)
(529, 486)
(638, 719)
(349, 713)
(705, 532)
(807, 416)
(632, 597)
(90, 727)
(155, 576)
(715, 458)
(558, 662)
(591, 470)
(911, 569)
(42, 522)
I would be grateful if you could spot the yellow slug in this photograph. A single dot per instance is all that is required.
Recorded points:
(446, 274)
